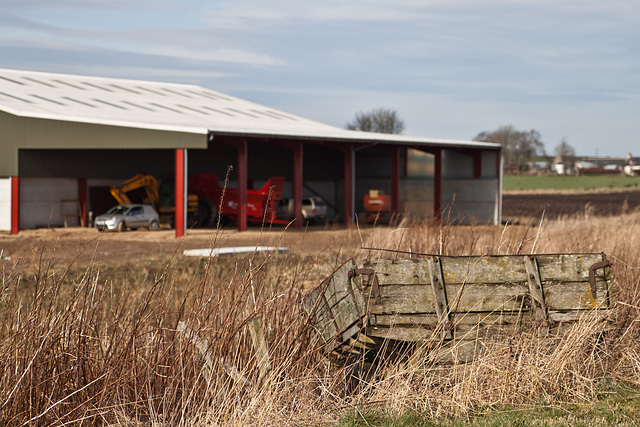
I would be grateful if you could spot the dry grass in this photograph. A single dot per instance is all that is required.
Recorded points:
(97, 346)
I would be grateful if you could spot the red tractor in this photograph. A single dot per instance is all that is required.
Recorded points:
(261, 204)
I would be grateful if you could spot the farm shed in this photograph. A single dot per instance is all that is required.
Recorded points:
(64, 139)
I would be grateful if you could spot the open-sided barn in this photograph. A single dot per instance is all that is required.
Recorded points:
(64, 139)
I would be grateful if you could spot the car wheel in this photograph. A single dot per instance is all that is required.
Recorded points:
(154, 226)
(122, 226)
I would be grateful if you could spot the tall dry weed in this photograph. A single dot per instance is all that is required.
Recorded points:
(79, 349)
(170, 345)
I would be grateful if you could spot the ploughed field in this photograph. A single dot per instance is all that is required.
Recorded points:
(519, 206)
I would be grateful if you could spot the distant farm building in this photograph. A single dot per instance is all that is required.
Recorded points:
(65, 139)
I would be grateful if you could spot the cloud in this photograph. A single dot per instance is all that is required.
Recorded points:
(74, 58)
(180, 44)
(249, 13)
(24, 5)
(470, 64)
(218, 55)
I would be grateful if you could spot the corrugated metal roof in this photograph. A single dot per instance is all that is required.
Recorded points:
(167, 106)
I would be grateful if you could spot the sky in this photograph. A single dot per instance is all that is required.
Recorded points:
(569, 69)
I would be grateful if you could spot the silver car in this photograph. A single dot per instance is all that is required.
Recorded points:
(313, 208)
(123, 217)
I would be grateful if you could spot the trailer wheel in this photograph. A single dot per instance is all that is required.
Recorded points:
(207, 212)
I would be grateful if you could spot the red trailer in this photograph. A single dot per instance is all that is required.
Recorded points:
(261, 204)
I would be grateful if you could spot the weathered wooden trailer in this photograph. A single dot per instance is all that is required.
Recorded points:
(454, 303)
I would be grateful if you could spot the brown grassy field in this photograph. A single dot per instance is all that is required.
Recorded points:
(93, 330)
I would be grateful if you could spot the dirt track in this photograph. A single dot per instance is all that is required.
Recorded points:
(64, 245)
(145, 246)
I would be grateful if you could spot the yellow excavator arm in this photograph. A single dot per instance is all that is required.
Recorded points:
(152, 189)
(148, 182)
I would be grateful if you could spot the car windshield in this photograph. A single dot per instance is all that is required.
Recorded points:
(117, 210)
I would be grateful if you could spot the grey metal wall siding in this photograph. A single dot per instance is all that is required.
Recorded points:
(372, 163)
(456, 165)
(27, 133)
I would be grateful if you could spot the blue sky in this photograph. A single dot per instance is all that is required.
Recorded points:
(451, 68)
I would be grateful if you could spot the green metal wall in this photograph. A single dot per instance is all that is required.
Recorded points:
(28, 133)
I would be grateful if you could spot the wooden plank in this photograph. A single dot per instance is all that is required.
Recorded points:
(340, 312)
(466, 322)
(402, 299)
(309, 303)
(466, 326)
(324, 324)
(483, 270)
(464, 298)
(462, 332)
(439, 295)
(488, 297)
(341, 316)
(438, 289)
(487, 269)
(407, 271)
(418, 320)
(334, 288)
(404, 333)
(425, 320)
(337, 287)
(575, 315)
(535, 287)
(575, 295)
(567, 267)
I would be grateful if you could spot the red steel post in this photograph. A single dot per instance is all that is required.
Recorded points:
(82, 200)
(437, 186)
(348, 185)
(395, 181)
(297, 185)
(242, 184)
(180, 220)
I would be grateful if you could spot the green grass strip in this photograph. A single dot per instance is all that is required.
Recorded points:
(617, 405)
(550, 182)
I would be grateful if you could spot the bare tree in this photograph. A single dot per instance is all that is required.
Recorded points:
(565, 150)
(380, 120)
(518, 147)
